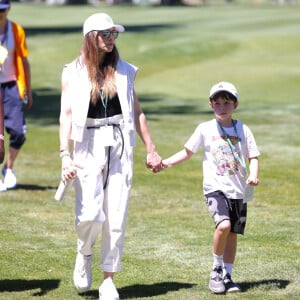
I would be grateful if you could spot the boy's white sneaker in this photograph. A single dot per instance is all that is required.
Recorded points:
(10, 180)
(82, 275)
(2, 187)
(230, 286)
(216, 284)
(108, 291)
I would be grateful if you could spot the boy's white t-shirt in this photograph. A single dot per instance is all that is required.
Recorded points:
(221, 170)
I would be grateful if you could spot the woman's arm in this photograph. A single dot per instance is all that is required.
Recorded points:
(153, 159)
(65, 121)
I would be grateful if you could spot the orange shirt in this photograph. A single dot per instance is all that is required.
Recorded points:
(21, 51)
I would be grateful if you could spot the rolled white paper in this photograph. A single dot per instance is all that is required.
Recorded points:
(63, 189)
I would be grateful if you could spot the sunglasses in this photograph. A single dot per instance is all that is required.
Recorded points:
(107, 34)
(3, 10)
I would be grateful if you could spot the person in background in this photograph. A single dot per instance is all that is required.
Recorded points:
(226, 144)
(2, 148)
(15, 89)
(100, 115)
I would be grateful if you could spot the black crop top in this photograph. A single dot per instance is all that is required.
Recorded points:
(97, 111)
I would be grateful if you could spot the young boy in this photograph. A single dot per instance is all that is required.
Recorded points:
(226, 144)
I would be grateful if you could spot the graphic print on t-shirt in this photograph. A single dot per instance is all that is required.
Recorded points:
(224, 156)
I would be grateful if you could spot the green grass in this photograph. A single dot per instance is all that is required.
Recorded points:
(181, 53)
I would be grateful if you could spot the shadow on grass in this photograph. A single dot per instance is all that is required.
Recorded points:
(144, 290)
(20, 285)
(268, 283)
(34, 187)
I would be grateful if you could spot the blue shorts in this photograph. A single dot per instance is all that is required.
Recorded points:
(14, 119)
(221, 208)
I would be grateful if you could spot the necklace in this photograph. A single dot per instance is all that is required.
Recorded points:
(104, 101)
(4, 34)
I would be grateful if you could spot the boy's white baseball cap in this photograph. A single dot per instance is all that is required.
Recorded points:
(223, 86)
(100, 21)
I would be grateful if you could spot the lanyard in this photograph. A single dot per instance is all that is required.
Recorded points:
(237, 158)
(4, 35)
(104, 101)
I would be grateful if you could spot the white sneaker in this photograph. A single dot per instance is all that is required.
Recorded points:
(10, 180)
(108, 291)
(2, 187)
(82, 275)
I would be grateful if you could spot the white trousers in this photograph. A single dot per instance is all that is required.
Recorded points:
(98, 210)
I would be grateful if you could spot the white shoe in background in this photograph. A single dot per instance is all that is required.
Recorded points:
(10, 180)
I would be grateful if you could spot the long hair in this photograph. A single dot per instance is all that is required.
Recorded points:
(101, 71)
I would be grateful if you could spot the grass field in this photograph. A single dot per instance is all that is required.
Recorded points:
(181, 52)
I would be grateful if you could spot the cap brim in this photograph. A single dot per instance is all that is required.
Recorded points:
(119, 28)
(4, 6)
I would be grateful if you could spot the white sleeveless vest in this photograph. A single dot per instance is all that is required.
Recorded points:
(79, 88)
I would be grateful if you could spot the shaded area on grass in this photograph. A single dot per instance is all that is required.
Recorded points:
(268, 283)
(32, 31)
(46, 108)
(19, 285)
(150, 290)
(144, 290)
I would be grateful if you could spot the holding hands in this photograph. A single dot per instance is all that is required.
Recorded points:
(178, 157)
(154, 162)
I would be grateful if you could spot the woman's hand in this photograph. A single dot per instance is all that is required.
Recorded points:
(68, 169)
(153, 162)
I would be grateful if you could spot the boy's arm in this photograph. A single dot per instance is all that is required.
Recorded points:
(177, 158)
(253, 168)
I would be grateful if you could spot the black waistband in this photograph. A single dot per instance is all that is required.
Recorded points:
(8, 84)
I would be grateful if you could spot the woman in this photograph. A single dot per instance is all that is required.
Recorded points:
(101, 114)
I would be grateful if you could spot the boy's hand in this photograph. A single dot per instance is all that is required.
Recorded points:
(165, 164)
(252, 181)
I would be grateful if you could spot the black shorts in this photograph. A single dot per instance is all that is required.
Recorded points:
(221, 208)
(14, 118)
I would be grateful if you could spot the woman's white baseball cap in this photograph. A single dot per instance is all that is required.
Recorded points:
(223, 86)
(100, 21)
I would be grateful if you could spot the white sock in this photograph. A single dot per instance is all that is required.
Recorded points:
(227, 268)
(218, 260)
